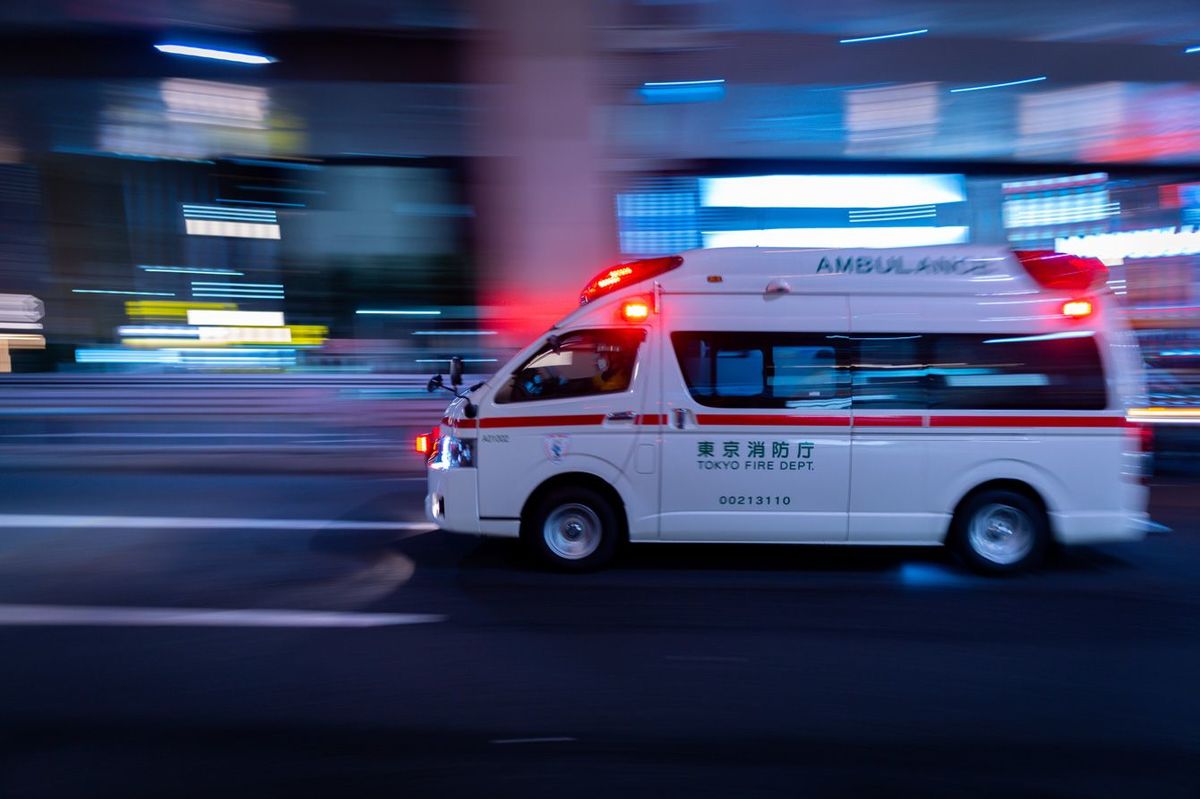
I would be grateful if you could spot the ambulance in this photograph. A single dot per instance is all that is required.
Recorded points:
(962, 395)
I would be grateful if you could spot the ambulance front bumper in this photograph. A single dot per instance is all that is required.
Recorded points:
(452, 503)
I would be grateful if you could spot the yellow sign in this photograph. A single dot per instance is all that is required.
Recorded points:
(206, 336)
(172, 309)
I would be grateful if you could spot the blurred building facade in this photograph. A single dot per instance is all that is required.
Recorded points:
(400, 182)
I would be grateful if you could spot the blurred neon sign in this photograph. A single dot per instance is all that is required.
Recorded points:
(883, 36)
(235, 318)
(682, 91)
(1152, 243)
(213, 53)
(832, 191)
(868, 237)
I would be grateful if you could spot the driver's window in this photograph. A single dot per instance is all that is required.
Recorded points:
(576, 364)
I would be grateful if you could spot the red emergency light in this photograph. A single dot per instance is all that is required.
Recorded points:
(424, 442)
(1061, 271)
(1077, 309)
(622, 275)
(635, 310)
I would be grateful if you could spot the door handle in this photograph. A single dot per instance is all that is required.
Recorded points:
(621, 416)
(681, 417)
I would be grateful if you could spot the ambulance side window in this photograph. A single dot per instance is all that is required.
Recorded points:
(576, 364)
(731, 369)
(944, 371)
(1016, 372)
(890, 371)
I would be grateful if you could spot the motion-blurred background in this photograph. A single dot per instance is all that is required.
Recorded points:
(271, 207)
(238, 236)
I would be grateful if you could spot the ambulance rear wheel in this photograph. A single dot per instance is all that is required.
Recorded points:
(573, 529)
(1001, 532)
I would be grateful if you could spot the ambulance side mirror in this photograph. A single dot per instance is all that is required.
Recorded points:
(456, 373)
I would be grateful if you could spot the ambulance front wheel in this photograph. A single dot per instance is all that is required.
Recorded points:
(573, 529)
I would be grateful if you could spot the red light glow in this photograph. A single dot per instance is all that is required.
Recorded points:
(614, 277)
(617, 277)
(1057, 270)
(635, 311)
(1077, 309)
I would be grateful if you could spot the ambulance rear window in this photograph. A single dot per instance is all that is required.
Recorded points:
(969, 371)
(1013, 372)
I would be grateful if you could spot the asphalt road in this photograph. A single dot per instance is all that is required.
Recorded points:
(365, 657)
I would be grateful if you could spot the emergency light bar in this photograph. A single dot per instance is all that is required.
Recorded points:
(1056, 270)
(625, 274)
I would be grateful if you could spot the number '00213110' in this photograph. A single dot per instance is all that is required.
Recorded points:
(754, 500)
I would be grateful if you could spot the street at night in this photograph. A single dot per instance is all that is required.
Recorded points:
(450, 664)
(599, 399)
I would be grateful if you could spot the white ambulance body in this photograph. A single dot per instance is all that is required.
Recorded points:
(959, 395)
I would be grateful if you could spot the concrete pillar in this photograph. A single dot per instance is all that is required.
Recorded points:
(544, 213)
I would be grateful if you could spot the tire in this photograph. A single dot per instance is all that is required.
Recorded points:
(573, 529)
(1000, 532)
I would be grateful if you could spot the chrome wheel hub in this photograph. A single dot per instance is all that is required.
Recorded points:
(572, 531)
(1002, 534)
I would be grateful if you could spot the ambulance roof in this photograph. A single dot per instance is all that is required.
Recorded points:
(964, 270)
(967, 269)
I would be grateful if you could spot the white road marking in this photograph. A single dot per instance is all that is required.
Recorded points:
(82, 615)
(202, 523)
(555, 739)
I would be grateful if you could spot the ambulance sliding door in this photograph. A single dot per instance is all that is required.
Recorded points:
(756, 437)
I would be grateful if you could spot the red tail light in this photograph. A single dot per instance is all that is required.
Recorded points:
(1057, 270)
(1144, 459)
(624, 274)
(1145, 435)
